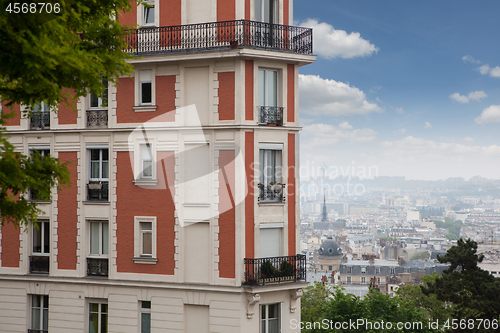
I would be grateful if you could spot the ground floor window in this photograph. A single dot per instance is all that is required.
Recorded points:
(98, 317)
(40, 313)
(270, 318)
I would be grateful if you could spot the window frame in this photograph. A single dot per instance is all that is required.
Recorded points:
(276, 169)
(142, 14)
(144, 310)
(142, 148)
(99, 313)
(44, 228)
(139, 256)
(259, 12)
(363, 280)
(138, 170)
(100, 98)
(100, 161)
(265, 321)
(45, 151)
(101, 240)
(44, 305)
(145, 81)
(263, 89)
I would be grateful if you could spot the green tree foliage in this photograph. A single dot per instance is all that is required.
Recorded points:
(322, 305)
(453, 227)
(420, 255)
(52, 58)
(472, 292)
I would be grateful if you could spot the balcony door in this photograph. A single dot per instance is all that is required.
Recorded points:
(270, 242)
(266, 15)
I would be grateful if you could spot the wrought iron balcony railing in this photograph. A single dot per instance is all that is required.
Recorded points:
(271, 193)
(39, 264)
(275, 270)
(271, 115)
(40, 120)
(219, 35)
(97, 266)
(98, 192)
(97, 118)
(31, 330)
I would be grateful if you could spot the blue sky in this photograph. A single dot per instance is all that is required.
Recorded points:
(409, 87)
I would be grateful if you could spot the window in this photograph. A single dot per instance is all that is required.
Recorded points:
(43, 151)
(145, 93)
(146, 161)
(270, 242)
(268, 87)
(270, 157)
(40, 313)
(265, 11)
(41, 237)
(145, 316)
(98, 317)
(349, 270)
(378, 280)
(99, 165)
(363, 280)
(270, 318)
(145, 239)
(99, 238)
(149, 13)
(40, 117)
(393, 271)
(330, 268)
(377, 270)
(348, 279)
(99, 101)
(363, 270)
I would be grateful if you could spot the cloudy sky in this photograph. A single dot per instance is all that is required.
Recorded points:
(408, 88)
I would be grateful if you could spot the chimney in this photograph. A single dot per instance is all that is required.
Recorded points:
(400, 261)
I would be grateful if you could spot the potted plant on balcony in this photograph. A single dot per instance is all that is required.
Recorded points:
(95, 185)
(287, 269)
(274, 186)
(267, 270)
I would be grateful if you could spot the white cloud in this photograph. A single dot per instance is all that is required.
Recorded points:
(469, 58)
(329, 97)
(487, 70)
(320, 134)
(399, 110)
(330, 43)
(489, 115)
(428, 125)
(473, 95)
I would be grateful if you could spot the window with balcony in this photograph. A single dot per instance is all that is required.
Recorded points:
(98, 317)
(269, 111)
(145, 316)
(271, 188)
(39, 314)
(44, 151)
(97, 114)
(98, 186)
(40, 251)
(266, 14)
(40, 116)
(270, 318)
(97, 262)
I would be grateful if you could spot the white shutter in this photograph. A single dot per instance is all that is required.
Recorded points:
(270, 242)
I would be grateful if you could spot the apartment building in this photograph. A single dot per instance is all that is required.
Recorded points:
(182, 214)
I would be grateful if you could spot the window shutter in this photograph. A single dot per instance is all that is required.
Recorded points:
(270, 242)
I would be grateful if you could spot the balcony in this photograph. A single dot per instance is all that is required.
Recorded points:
(40, 120)
(39, 264)
(271, 115)
(219, 36)
(98, 192)
(271, 193)
(97, 267)
(275, 270)
(97, 118)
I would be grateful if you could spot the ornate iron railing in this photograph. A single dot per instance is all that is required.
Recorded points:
(31, 330)
(219, 35)
(274, 270)
(271, 115)
(98, 192)
(40, 120)
(97, 118)
(39, 264)
(271, 193)
(97, 266)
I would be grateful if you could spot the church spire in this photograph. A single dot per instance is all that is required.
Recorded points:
(324, 217)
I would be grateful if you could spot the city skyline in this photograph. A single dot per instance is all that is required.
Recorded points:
(409, 89)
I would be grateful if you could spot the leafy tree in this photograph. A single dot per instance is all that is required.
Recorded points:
(473, 292)
(52, 58)
(420, 255)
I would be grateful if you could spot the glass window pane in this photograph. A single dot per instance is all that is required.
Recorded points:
(147, 170)
(104, 308)
(95, 154)
(263, 313)
(94, 240)
(145, 92)
(258, 10)
(45, 321)
(94, 100)
(273, 310)
(37, 238)
(149, 15)
(35, 318)
(273, 326)
(36, 108)
(146, 226)
(94, 169)
(104, 323)
(105, 169)
(147, 243)
(105, 155)
(273, 88)
(104, 96)
(46, 237)
(146, 304)
(46, 301)
(93, 322)
(262, 101)
(146, 154)
(105, 242)
(145, 323)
